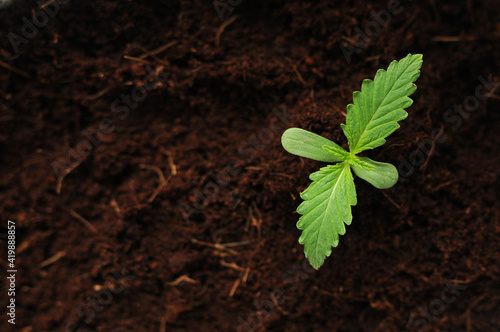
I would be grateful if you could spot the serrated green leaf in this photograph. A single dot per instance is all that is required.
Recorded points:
(303, 143)
(382, 176)
(326, 207)
(361, 163)
(341, 153)
(380, 104)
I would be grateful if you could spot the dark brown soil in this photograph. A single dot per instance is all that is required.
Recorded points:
(101, 250)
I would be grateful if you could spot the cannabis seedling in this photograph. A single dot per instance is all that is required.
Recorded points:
(373, 115)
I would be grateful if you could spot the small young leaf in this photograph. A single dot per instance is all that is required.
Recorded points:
(360, 162)
(382, 176)
(379, 106)
(326, 207)
(341, 153)
(303, 143)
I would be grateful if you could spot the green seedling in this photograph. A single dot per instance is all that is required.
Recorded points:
(373, 115)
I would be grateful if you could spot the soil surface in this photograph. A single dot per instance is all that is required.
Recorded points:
(141, 163)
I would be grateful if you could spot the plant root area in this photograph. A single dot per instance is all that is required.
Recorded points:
(142, 166)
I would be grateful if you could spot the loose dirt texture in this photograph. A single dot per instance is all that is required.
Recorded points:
(144, 264)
